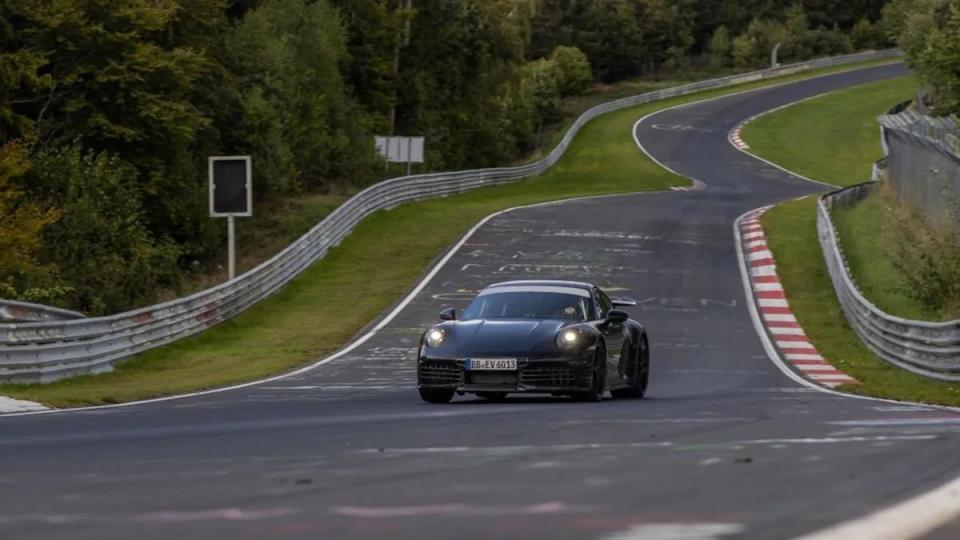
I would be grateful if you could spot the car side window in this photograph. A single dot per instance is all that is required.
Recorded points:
(604, 305)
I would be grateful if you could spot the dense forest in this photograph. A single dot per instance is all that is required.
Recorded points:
(109, 108)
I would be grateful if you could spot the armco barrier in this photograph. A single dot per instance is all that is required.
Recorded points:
(23, 311)
(45, 351)
(928, 348)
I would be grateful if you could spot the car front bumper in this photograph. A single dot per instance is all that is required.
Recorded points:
(540, 375)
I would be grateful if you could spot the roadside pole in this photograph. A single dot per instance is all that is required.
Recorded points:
(231, 248)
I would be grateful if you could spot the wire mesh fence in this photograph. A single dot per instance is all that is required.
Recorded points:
(923, 163)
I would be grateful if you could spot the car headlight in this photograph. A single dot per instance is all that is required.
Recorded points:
(568, 338)
(435, 337)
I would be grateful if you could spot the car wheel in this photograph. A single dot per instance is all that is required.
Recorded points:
(436, 395)
(595, 393)
(493, 396)
(640, 374)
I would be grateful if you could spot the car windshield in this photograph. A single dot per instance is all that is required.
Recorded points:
(527, 305)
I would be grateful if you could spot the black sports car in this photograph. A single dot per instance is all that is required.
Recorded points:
(556, 337)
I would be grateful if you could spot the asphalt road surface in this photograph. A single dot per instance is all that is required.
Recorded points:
(725, 444)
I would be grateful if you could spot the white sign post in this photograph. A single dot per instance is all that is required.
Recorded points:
(231, 195)
(400, 149)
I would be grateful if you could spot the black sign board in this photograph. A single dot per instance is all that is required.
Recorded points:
(230, 189)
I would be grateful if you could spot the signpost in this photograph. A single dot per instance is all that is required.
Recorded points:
(400, 149)
(231, 195)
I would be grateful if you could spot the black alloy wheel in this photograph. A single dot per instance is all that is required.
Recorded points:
(639, 375)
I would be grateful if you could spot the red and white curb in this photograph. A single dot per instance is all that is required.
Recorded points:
(736, 139)
(794, 345)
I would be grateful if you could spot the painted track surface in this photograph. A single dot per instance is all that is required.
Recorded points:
(725, 443)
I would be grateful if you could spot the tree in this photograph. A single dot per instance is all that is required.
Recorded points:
(101, 244)
(864, 35)
(720, 46)
(22, 222)
(572, 70)
(753, 47)
(744, 50)
(931, 40)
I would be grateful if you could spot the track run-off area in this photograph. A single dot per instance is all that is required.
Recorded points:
(725, 445)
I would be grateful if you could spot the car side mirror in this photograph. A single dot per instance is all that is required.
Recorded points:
(617, 316)
(448, 314)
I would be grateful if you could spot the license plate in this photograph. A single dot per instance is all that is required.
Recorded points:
(491, 364)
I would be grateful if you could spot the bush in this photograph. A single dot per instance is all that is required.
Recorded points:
(22, 274)
(927, 256)
(753, 47)
(744, 51)
(100, 245)
(572, 70)
(720, 47)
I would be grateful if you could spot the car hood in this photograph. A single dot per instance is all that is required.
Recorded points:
(507, 337)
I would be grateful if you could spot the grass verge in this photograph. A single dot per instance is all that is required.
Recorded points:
(373, 267)
(834, 138)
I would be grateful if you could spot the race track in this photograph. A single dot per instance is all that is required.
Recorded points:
(726, 444)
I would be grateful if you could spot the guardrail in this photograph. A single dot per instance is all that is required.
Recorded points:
(45, 351)
(928, 348)
(11, 310)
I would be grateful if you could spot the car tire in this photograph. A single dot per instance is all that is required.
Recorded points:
(599, 379)
(436, 395)
(492, 396)
(641, 374)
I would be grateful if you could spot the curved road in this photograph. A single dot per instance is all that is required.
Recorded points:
(726, 444)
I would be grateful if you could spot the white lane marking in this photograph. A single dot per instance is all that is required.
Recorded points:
(779, 317)
(898, 421)
(912, 518)
(773, 302)
(676, 531)
(10, 405)
(840, 440)
(459, 509)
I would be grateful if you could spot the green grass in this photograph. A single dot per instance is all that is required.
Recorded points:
(336, 297)
(791, 230)
(834, 138)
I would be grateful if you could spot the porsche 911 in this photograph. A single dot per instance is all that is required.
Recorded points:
(563, 338)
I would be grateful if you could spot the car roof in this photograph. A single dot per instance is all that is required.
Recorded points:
(543, 283)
